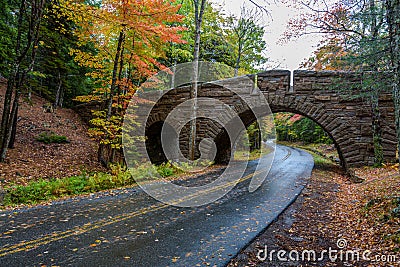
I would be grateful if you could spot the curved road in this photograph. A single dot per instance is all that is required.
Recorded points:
(129, 228)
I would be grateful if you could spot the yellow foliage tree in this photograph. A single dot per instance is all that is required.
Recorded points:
(126, 39)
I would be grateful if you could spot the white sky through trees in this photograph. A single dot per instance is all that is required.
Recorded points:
(288, 55)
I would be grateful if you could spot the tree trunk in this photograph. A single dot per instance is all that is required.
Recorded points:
(396, 99)
(376, 129)
(115, 74)
(121, 67)
(173, 75)
(31, 12)
(375, 92)
(12, 123)
(393, 21)
(103, 155)
(237, 65)
(58, 93)
(100, 156)
(14, 130)
(199, 11)
(6, 114)
(61, 101)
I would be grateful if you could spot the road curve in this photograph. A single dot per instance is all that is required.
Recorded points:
(129, 228)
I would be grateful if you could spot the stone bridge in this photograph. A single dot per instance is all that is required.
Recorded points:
(313, 94)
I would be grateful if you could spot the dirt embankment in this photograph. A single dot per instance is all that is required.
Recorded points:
(334, 213)
(31, 159)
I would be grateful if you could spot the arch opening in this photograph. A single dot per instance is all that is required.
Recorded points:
(249, 143)
(153, 142)
(335, 142)
(205, 128)
(323, 136)
(299, 128)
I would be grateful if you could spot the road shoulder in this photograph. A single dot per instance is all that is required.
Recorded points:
(331, 208)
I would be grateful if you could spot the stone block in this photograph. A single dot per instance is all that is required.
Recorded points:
(323, 97)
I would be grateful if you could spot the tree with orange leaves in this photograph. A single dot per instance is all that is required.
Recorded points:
(126, 39)
(330, 55)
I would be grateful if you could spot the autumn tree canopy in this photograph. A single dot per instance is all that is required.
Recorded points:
(128, 38)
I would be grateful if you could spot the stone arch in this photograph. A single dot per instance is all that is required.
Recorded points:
(341, 133)
(347, 121)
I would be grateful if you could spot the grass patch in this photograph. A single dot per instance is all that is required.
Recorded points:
(50, 138)
(256, 154)
(44, 190)
(322, 159)
(167, 169)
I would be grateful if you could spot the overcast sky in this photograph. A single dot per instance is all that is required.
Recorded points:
(282, 56)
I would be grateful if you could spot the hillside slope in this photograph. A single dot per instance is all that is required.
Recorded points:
(31, 159)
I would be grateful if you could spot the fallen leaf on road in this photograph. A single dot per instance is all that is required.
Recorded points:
(175, 259)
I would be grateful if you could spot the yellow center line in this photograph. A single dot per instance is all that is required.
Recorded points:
(78, 230)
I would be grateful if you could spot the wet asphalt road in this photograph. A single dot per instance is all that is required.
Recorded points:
(129, 228)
